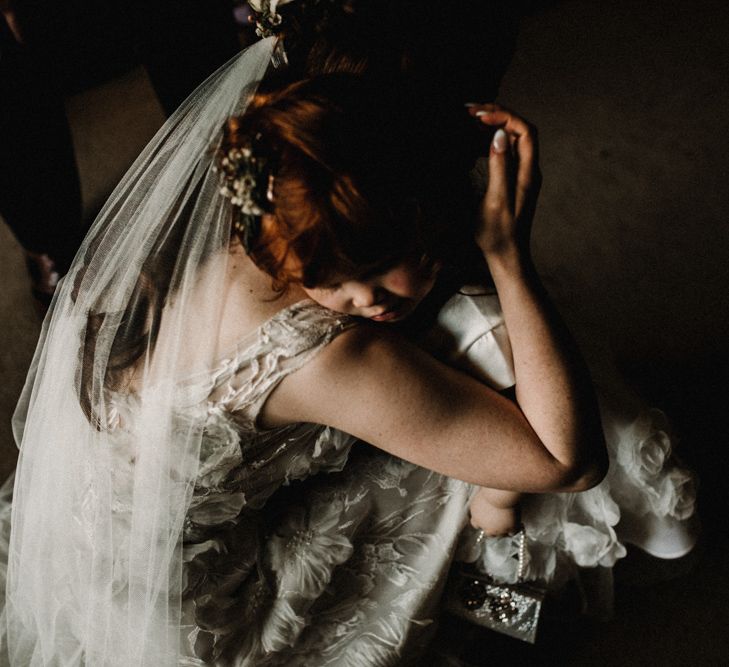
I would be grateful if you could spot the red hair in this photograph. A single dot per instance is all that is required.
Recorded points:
(345, 195)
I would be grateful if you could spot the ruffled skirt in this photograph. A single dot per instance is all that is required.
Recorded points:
(647, 499)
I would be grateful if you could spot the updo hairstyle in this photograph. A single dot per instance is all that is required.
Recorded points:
(354, 186)
(458, 50)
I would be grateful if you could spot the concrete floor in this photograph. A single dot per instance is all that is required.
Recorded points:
(631, 239)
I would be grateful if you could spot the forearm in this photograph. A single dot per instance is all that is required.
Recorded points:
(495, 512)
(553, 386)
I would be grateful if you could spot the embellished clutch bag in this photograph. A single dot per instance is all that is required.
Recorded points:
(511, 609)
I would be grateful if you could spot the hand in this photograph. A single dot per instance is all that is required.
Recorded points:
(492, 519)
(514, 181)
(8, 13)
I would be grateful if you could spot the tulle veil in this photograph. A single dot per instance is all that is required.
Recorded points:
(95, 572)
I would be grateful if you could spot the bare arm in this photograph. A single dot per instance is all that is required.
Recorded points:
(495, 511)
(553, 387)
(389, 393)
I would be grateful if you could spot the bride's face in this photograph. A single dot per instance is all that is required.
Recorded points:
(386, 297)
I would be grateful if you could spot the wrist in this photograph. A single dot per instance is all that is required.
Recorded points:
(499, 498)
(509, 260)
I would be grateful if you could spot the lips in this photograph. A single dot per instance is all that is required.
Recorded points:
(396, 309)
(386, 316)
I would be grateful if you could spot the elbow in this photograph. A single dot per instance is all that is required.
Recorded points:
(585, 474)
(588, 476)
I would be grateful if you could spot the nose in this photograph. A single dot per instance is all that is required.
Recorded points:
(364, 296)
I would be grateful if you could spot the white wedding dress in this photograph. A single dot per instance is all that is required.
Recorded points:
(298, 548)
(163, 526)
(302, 547)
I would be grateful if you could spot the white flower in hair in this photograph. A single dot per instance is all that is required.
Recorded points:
(247, 180)
(267, 17)
(262, 6)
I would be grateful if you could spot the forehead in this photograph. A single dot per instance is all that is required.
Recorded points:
(399, 270)
(403, 264)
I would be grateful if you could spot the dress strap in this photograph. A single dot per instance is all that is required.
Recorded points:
(282, 345)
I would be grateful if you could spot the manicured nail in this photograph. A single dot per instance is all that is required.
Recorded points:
(482, 112)
(468, 105)
(500, 142)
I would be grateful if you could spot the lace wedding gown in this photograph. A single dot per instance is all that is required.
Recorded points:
(302, 549)
(289, 565)
(290, 556)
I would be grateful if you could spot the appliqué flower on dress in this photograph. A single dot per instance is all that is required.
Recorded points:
(381, 644)
(646, 458)
(238, 613)
(219, 448)
(329, 453)
(500, 558)
(389, 473)
(560, 529)
(651, 482)
(676, 495)
(385, 559)
(589, 546)
(305, 551)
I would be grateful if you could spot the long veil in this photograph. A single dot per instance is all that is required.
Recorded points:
(95, 571)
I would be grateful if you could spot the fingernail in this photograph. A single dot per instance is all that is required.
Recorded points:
(500, 142)
(468, 105)
(482, 112)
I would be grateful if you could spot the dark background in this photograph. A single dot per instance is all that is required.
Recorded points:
(631, 238)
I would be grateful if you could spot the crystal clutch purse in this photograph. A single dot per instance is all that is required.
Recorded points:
(511, 609)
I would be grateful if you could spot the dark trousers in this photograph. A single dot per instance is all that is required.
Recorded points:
(180, 42)
(40, 194)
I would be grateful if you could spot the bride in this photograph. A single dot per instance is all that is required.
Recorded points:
(167, 507)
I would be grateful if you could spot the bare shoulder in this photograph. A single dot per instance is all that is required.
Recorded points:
(350, 366)
(364, 380)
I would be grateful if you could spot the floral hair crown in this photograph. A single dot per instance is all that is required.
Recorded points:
(247, 179)
(268, 19)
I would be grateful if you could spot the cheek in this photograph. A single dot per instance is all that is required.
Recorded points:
(408, 283)
(325, 298)
(401, 281)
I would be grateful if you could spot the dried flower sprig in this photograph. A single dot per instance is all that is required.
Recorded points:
(248, 181)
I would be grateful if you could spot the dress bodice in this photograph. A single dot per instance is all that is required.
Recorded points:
(241, 463)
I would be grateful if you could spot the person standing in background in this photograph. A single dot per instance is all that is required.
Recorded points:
(179, 43)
